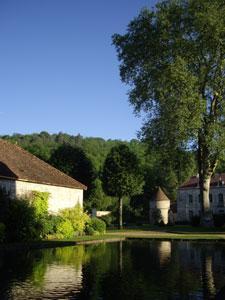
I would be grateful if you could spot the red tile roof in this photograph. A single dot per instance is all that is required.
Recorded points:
(18, 164)
(193, 181)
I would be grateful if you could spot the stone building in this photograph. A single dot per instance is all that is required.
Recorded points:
(159, 203)
(21, 173)
(188, 197)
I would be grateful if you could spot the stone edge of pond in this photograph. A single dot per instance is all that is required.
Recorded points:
(53, 244)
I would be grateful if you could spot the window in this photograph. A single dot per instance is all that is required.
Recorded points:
(220, 198)
(210, 198)
(190, 197)
(199, 198)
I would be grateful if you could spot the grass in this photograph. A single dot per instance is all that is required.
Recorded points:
(177, 232)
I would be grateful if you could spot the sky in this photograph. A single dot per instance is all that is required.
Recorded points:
(58, 68)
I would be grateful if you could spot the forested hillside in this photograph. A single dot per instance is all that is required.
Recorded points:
(83, 159)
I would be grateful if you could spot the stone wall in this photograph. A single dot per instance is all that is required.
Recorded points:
(59, 198)
(188, 202)
(163, 207)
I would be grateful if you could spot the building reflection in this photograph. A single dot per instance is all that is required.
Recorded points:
(164, 252)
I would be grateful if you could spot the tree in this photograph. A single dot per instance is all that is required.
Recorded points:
(121, 175)
(174, 60)
(74, 162)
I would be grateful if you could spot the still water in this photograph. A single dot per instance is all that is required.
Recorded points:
(122, 270)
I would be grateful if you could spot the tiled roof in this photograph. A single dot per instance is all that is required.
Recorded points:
(18, 164)
(217, 179)
(159, 195)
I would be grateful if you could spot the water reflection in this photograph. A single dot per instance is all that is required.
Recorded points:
(124, 270)
(164, 252)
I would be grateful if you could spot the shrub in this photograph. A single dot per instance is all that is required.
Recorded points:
(65, 229)
(108, 219)
(95, 226)
(195, 221)
(39, 200)
(219, 220)
(21, 224)
(77, 217)
(2, 232)
(53, 223)
(157, 217)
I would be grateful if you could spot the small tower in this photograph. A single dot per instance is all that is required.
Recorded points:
(159, 204)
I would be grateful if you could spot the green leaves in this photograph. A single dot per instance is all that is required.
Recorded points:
(173, 60)
(121, 173)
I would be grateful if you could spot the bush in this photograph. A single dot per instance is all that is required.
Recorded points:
(2, 232)
(77, 217)
(195, 221)
(65, 229)
(108, 219)
(157, 217)
(53, 223)
(219, 220)
(95, 226)
(21, 224)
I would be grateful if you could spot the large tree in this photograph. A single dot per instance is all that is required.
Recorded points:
(121, 175)
(174, 60)
(74, 162)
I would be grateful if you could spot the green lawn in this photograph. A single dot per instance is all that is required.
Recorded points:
(171, 232)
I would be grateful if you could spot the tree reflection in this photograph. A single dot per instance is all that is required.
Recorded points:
(124, 270)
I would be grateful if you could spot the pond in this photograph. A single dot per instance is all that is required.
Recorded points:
(134, 269)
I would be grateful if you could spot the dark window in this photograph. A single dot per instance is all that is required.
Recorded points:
(210, 198)
(220, 198)
(199, 198)
(190, 197)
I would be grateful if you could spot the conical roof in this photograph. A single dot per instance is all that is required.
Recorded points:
(159, 195)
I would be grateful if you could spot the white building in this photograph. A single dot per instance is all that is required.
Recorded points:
(21, 173)
(188, 197)
(161, 203)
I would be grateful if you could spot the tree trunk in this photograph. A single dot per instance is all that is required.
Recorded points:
(120, 213)
(206, 166)
(206, 212)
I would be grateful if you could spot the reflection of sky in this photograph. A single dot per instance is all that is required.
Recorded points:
(59, 281)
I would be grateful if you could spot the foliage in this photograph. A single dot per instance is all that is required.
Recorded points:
(24, 219)
(74, 162)
(2, 232)
(158, 168)
(108, 219)
(98, 199)
(174, 60)
(95, 226)
(121, 175)
(65, 229)
(39, 201)
(76, 217)
(157, 217)
(21, 223)
(53, 222)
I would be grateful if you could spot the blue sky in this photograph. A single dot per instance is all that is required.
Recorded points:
(59, 71)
